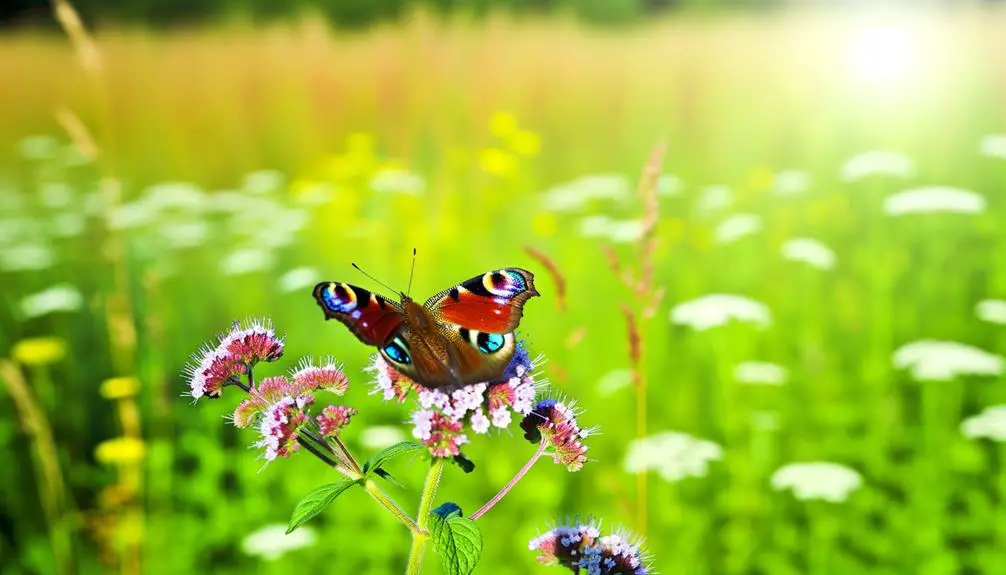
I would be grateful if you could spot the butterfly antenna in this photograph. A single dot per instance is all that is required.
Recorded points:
(412, 273)
(386, 286)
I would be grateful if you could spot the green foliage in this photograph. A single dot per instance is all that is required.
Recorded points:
(376, 463)
(316, 501)
(456, 539)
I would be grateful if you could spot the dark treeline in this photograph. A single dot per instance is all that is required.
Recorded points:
(359, 13)
(348, 13)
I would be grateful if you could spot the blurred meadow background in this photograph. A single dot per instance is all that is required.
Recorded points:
(819, 377)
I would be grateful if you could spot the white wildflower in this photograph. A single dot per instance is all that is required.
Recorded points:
(760, 372)
(991, 310)
(67, 225)
(817, 480)
(809, 251)
(672, 454)
(263, 182)
(40, 147)
(56, 195)
(61, 297)
(595, 226)
(716, 310)
(27, 257)
(932, 360)
(131, 215)
(669, 185)
(575, 195)
(790, 182)
(398, 181)
(736, 227)
(934, 199)
(243, 261)
(298, 279)
(180, 234)
(181, 196)
(994, 146)
(625, 231)
(614, 381)
(272, 541)
(989, 424)
(877, 163)
(714, 198)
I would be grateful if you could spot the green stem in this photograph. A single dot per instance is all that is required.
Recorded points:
(389, 504)
(420, 536)
(380, 496)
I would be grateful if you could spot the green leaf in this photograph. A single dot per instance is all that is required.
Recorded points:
(457, 539)
(388, 477)
(387, 454)
(313, 503)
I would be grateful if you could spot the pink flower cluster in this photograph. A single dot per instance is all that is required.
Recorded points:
(441, 420)
(581, 547)
(236, 352)
(280, 408)
(280, 424)
(334, 418)
(553, 423)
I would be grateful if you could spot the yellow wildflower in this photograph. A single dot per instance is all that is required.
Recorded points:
(503, 124)
(525, 143)
(497, 162)
(39, 350)
(120, 451)
(119, 387)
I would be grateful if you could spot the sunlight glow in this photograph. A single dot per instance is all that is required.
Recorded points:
(884, 54)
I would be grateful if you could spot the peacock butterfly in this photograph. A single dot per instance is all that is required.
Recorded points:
(460, 336)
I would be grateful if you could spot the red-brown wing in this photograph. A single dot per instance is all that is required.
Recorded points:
(492, 302)
(370, 317)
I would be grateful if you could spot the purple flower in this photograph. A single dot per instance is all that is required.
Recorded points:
(480, 406)
(279, 425)
(333, 418)
(565, 545)
(615, 554)
(580, 548)
(444, 437)
(554, 423)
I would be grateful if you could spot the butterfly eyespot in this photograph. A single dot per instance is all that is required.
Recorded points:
(502, 283)
(397, 353)
(490, 342)
(340, 298)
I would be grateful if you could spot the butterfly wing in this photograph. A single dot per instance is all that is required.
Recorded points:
(491, 303)
(371, 317)
(479, 356)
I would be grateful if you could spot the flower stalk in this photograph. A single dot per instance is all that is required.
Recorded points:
(420, 536)
(516, 479)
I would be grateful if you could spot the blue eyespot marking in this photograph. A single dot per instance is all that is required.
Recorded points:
(397, 353)
(338, 298)
(518, 280)
(490, 342)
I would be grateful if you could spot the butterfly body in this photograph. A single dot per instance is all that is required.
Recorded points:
(460, 336)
